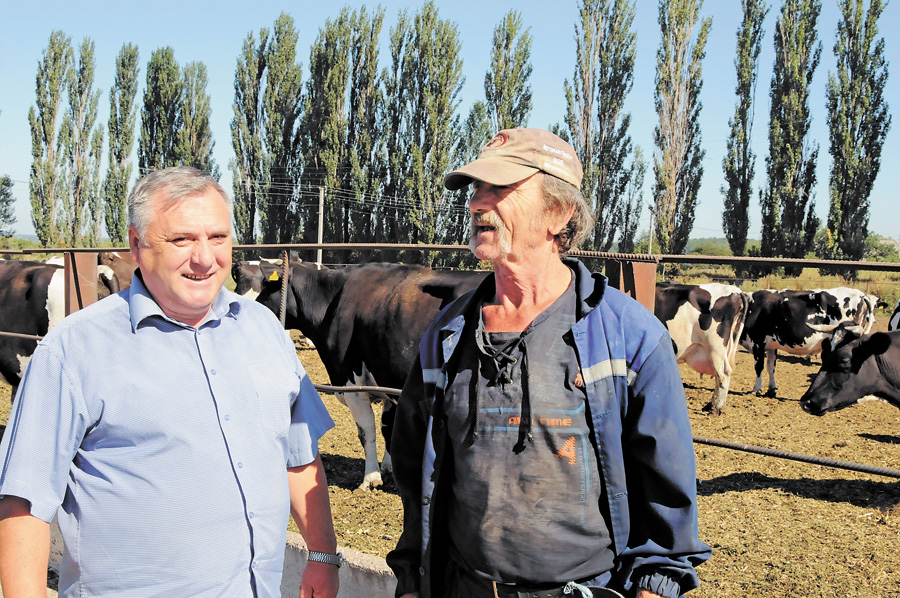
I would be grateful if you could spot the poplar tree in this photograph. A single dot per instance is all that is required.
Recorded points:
(338, 125)
(393, 124)
(595, 123)
(46, 180)
(7, 208)
(161, 116)
(678, 161)
(249, 166)
(194, 140)
(788, 220)
(634, 202)
(82, 138)
(421, 92)
(323, 131)
(264, 135)
(507, 87)
(858, 122)
(739, 161)
(363, 149)
(434, 69)
(120, 128)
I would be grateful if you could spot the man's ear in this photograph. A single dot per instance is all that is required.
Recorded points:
(560, 221)
(134, 242)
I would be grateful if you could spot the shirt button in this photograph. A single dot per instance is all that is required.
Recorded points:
(426, 500)
(421, 570)
(213, 372)
(251, 514)
(240, 465)
(228, 418)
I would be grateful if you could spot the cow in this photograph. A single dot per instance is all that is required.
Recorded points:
(894, 323)
(797, 322)
(366, 322)
(248, 276)
(705, 323)
(122, 266)
(32, 300)
(856, 367)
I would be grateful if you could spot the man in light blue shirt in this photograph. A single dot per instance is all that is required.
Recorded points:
(171, 427)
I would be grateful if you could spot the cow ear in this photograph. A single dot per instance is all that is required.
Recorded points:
(879, 343)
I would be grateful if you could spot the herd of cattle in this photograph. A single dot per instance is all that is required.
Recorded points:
(366, 320)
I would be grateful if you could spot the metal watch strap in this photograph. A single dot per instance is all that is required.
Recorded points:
(326, 557)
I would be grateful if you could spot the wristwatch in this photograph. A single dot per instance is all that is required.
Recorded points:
(326, 557)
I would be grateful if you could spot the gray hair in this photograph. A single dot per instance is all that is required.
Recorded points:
(559, 198)
(179, 182)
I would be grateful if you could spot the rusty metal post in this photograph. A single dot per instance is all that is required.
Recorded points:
(81, 280)
(635, 277)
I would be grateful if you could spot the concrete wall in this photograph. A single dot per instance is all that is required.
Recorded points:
(361, 575)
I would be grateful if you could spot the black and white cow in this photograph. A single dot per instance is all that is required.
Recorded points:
(366, 322)
(797, 322)
(249, 275)
(705, 323)
(894, 323)
(855, 367)
(32, 300)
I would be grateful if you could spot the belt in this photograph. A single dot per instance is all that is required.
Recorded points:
(500, 589)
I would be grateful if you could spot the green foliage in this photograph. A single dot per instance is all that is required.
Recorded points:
(120, 128)
(420, 123)
(194, 140)
(594, 123)
(739, 161)
(507, 88)
(876, 249)
(678, 160)
(858, 122)
(82, 139)
(789, 223)
(282, 103)
(631, 212)
(161, 116)
(7, 208)
(323, 131)
(47, 178)
(248, 167)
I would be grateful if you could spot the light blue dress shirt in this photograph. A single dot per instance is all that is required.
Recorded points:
(163, 447)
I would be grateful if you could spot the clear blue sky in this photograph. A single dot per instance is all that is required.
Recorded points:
(212, 32)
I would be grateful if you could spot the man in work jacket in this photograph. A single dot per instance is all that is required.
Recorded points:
(547, 447)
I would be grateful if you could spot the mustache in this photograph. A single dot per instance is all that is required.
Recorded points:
(487, 219)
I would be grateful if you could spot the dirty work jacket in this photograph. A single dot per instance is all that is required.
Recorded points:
(640, 428)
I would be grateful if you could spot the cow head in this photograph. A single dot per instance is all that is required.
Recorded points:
(852, 368)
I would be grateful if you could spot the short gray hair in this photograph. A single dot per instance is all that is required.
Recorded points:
(179, 181)
(559, 197)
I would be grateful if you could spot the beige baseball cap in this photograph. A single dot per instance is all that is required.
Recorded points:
(516, 154)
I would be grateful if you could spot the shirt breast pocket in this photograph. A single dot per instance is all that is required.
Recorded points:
(275, 388)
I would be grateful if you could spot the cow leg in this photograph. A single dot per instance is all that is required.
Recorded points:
(723, 370)
(361, 409)
(771, 358)
(759, 360)
(387, 430)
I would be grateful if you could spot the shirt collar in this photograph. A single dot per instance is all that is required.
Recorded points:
(142, 305)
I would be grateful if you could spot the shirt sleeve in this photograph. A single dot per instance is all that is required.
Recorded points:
(662, 493)
(309, 418)
(46, 426)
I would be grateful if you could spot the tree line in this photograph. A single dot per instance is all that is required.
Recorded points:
(378, 133)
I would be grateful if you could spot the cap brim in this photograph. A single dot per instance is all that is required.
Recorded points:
(493, 172)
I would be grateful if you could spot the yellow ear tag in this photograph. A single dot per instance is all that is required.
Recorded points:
(274, 275)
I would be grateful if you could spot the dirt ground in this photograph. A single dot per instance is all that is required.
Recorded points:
(777, 527)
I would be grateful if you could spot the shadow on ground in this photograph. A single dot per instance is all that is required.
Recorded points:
(859, 493)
